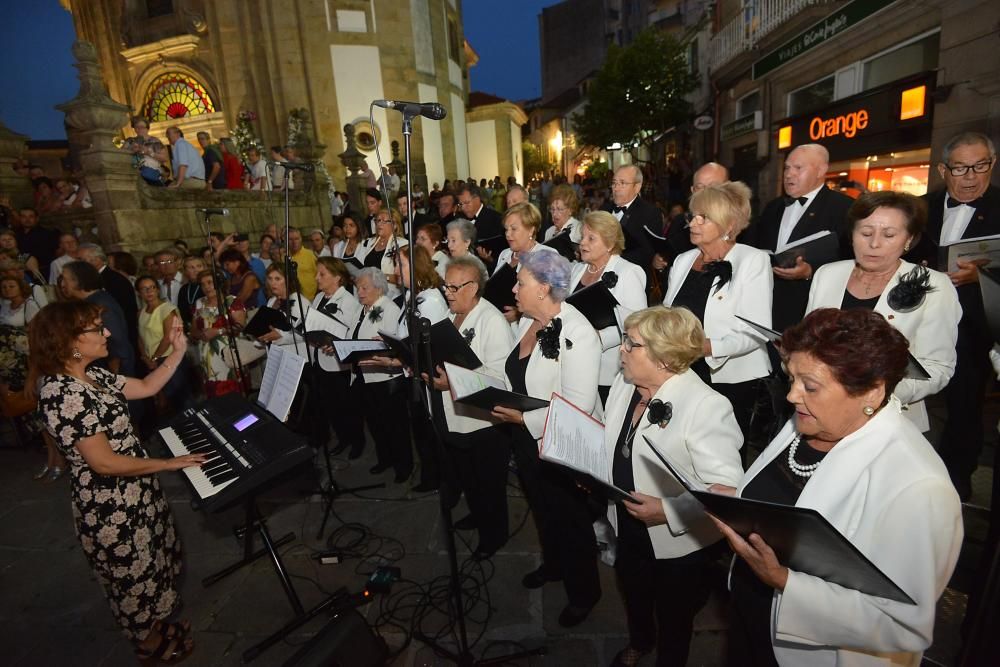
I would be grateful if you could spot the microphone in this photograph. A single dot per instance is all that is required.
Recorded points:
(301, 166)
(431, 110)
(214, 211)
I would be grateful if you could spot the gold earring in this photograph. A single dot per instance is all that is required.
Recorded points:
(868, 410)
(76, 354)
(906, 247)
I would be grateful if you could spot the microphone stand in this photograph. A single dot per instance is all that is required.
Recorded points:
(225, 312)
(420, 337)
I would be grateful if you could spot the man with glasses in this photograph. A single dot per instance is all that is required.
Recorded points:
(967, 208)
(487, 221)
(638, 217)
(171, 278)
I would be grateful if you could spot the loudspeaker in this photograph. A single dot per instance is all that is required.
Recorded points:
(346, 641)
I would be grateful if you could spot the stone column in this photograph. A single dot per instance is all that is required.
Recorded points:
(354, 162)
(18, 188)
(94, 119)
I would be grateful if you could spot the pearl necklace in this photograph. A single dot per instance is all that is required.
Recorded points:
(796, 467)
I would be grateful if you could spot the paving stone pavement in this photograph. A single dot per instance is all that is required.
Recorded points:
(52, 611)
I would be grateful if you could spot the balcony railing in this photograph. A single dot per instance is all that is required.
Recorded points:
(754, 22)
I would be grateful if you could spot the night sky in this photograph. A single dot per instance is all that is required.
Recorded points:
(36, 66)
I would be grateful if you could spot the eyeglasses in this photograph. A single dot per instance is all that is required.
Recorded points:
(557, 209)
(617, 183)
(166, 261)
(700, 217)
(467, 202)
(978, 168)
(630, 344)
(455, 288)
(100, 328)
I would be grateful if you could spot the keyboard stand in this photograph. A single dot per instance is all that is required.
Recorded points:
(255, 521)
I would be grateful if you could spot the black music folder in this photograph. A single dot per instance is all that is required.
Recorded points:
(264, 319)
(989, 284)
(494, 245)
(597, 304)
(815, 249)
(447, 345)
(319, 338)
(485, 391)
(353, 351)
(500, 286)
(563, 244)
(802, 538)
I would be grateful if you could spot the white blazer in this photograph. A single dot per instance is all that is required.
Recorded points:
(573, 375)
(298, 316)
(441, 259)
(507, 255)
(631, 295)
(388, 266)
(369, 330)
(885, 489)
(702, 439)
(348, 311)
(491, 340)
(738, 353)
(932, 329)
(360, 250)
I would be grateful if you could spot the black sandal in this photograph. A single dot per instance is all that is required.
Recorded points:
(172, 630)
(170, 651)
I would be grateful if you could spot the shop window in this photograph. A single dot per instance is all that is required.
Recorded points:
(920, 55)
(176, 95)
(747, 104)
(814, 96)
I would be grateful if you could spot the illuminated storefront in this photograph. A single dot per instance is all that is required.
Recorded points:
(878, 140)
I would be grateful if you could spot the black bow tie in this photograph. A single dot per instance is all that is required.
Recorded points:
(952, 203)
(791, 200)
(619, 209)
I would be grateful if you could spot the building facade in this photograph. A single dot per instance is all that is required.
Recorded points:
(198, 64)
(882, 84)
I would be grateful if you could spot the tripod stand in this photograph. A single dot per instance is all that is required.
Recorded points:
(420, 336)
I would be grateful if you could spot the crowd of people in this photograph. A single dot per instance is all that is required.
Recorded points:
(834, 408)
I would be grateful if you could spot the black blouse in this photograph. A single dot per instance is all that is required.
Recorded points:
(850, 301)
(374, 258)
(752, 598)
(632, 533)
(516, 368)
(694, 293)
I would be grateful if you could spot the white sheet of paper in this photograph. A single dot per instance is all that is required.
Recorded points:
(271, 366)
(802, 241)
(575, 439)
(967, 250)
(317, 321)
(465, 382)
(346, 347)
(286, 385)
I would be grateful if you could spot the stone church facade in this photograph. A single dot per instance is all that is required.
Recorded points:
(199, 63)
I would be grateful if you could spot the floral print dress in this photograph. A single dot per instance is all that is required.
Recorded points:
(220, 378)
(124, 523)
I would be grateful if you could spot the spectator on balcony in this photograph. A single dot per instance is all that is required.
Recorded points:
(257, 178)
(278, 172)
(189, 168)
(47, 198)
(68, 250)
(231, 164)
(211, 156)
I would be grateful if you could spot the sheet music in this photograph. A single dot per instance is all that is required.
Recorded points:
(271, 366)
(800, 242)
(967, 250)
(318, 321)
(465, 382)
(286, 385)
(575, 439)
(344, 348)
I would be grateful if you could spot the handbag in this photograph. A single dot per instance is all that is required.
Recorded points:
(248, 350)
(16, 403)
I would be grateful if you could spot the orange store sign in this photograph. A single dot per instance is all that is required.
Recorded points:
(847, 125)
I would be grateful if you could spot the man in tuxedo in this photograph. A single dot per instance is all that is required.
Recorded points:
(487, 221)
(967, 208)
(808, 207)
(635, 214)
(446, 208)
(115, 284)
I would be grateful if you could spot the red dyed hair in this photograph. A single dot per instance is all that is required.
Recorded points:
(859, 347)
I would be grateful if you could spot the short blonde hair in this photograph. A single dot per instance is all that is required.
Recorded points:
(527, 212)
(397, 220)
(608, 228)
(567, 195)
(672, 337)
(726, 204)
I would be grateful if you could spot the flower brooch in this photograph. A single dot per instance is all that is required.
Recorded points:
(659, 413)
